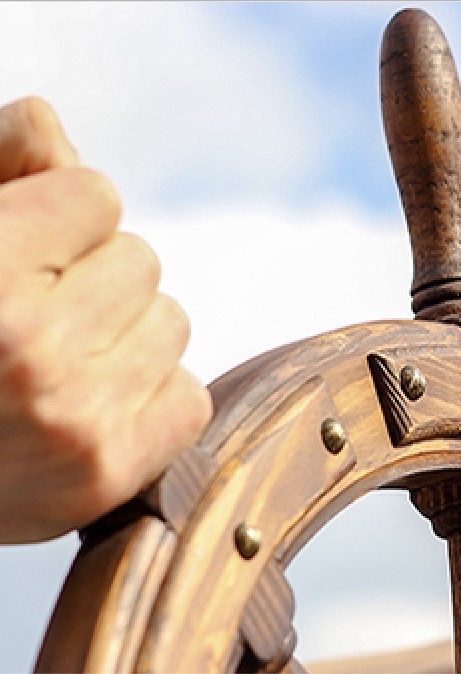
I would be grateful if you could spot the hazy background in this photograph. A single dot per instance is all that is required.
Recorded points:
(246, 141)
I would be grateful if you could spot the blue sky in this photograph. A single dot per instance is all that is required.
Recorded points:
(322, 60)
(330, 56)
(246, 141)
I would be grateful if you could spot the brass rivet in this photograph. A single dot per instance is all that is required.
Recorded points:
(412, 381)
(333, 435)
(247, 539)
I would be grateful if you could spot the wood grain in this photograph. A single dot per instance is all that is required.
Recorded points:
(353, 400)
(98, 622)
(265, 623)
(421, 105)
(272, 470)
(436, 414)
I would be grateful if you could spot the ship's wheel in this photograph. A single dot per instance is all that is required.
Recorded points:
(188, 578)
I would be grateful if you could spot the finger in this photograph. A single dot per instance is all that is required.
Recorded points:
(172, 421)
(145, 355)
(104, 292)
(32, 139)
(137, 448)
(49, 219)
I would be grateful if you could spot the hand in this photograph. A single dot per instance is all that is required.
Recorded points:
(93, 401)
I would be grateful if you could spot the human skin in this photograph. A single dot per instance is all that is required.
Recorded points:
(94, 403)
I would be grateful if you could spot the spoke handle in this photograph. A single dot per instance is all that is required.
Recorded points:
(421, 105)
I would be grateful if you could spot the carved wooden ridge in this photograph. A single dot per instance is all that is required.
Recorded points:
(436, 413)
(188, 577)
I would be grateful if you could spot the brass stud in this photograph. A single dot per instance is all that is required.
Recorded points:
(333, 435)
(413, 382)
(247, 540)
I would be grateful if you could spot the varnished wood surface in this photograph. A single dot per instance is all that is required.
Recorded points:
(106, 602)
(421, 104)
(272, 469)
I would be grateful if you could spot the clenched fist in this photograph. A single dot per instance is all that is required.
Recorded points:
(93, 401)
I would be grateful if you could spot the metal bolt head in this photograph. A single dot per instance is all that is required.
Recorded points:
(333, 435)
(247, 540)
(413, 382)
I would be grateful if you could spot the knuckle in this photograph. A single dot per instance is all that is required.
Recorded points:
(177, 320)
(37, 112)
(101, 187)
(196, 411)
(141, 257)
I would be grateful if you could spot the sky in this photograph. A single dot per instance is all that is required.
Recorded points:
(246, 142)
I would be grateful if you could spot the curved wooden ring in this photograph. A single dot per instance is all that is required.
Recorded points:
(160, 586)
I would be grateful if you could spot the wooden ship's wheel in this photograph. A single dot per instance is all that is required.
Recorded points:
(188, 577)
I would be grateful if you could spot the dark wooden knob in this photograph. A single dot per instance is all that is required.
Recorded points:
(421, 106)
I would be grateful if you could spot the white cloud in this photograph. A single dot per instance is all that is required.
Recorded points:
(159, 91)
(168, 97)
(252, 280)
(342, 629)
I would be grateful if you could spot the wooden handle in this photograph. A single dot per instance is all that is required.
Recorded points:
(421, 106)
